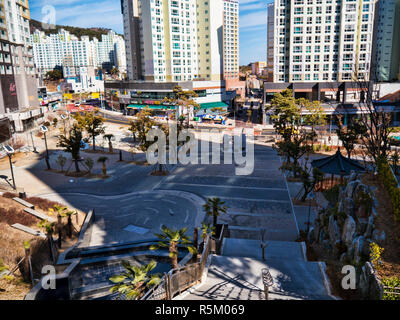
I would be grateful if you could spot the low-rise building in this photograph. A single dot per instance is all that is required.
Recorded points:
(136, 95)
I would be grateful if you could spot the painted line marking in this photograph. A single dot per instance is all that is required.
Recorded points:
(170, 201)
(187, 216)
(224, 186)
(154, 210)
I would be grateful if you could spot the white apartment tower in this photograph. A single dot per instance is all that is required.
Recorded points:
(18, 83)
(181, 40)
(388, 41)
(231, 39)
(320, 40)
(65, 50)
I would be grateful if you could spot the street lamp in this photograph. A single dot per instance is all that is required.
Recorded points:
(44, 130)
(10, 151)
(63, 118)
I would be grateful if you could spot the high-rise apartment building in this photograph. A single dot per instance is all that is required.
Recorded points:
(320, 40)
(181, 40)
(71, 53)
(388, 41)
(18, 82)
(231, 39)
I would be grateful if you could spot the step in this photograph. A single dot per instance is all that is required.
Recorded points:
(252, 233)
(274, 250)
(91, 292)
(28, 230)
(24, 203)
(147, 253)
(293, 279)
(39, 215)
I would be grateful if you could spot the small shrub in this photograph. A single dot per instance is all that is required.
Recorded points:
(391, 284)
(376, 255)
(317, 147)
(61, 160)
(332, 195)
(327, 148)
(390, 183)
(12, 215)
(89, 162)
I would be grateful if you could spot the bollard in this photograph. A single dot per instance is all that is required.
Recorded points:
(267, 281)
(120, 155)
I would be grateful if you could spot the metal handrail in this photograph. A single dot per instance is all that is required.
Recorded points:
(166, 279)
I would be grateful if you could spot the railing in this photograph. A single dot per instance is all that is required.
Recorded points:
(218, 242)
(178, 280)
(392, 291)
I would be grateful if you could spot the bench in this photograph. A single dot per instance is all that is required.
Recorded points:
(39, 215)
(24, 203)
(28, 230)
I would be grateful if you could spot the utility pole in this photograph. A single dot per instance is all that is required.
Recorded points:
(10, 151)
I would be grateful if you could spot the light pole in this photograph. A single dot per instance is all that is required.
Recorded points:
(44, 130)
(10, 151)
(64, 117)
(33, 144)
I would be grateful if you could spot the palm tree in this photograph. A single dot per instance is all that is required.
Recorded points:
(57, 209)
(214, 207)
(48, 228)
(109, 137)
(206, 230)
(103, 161)
(72, 144)
(171, 239)
(135, 280)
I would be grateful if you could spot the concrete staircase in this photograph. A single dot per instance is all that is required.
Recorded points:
(236, 274)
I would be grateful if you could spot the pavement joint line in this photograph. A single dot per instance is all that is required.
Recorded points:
(255, 200)
(278, 177)
(153, 209)
(170, 201)
(261, 215)
(224, 186)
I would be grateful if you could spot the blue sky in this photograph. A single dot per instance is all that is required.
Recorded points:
(107, 13)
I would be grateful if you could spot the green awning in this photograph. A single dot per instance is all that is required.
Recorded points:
(152, 107)
(211, 105)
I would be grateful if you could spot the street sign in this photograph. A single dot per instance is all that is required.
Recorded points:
(43, 129)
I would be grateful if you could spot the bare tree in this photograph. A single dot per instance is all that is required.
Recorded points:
(375, 120)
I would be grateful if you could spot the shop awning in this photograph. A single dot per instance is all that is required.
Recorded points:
(211, 105)
(154, 107)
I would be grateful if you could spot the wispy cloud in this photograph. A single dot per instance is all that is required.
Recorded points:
(86, 14)
(107, 14)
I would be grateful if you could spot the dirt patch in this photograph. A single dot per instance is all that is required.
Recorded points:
(386, 221)
(333, 269)
(12, 243)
